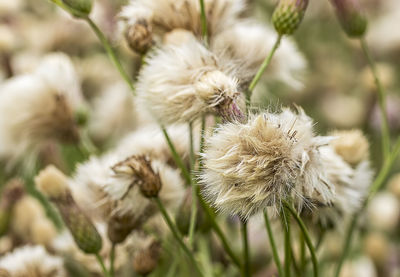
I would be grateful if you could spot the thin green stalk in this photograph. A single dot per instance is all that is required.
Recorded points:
(307, 237)
(381, 99)
(202, 139)
(110, 51)
(275, 254)
(103, 267)
(193, 215)
(287, 230)
(246, 250)
(176, 157)
(211, 216)
(176, 234)
(378, 183)
(191, 146)
(112, 259)
(203, 17)
(263, 67)
(303, 260)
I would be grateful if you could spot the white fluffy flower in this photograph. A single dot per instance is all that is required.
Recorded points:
(273, 157)
(30, 261)
(38, 107)
(248, 43)
(179, 83)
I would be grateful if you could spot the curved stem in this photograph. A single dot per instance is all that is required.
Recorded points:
(246, 251)
(381, 98)
(307, 237)
(263, 66)
(273, 244)
(176, 234)
(110, 51)
(103, 267)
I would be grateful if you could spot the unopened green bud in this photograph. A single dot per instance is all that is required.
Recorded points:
(288, 15)
(54, 184)
(351, 17)
(80, 7)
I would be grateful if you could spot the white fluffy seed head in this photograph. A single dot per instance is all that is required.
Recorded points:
(181, 82)
(273, 157)
(32, 261)
(247, 43)
(351, 145)
(52, 182)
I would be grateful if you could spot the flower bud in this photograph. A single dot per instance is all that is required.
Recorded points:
(12, 192)
(351, 17)
(139, 36)
(288, 15)
(120, 226)
(53, 183)
(81, 7)
(146, 260)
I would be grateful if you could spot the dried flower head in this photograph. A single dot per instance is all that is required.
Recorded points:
(32, 261)
(145, 260)
(351, 17)
(351, 145)
(179, 83)
(288, 15)
(54, 184)
(247, 43)
(273, 157)
(167, 15)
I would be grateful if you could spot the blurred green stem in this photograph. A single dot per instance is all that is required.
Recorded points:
(176, 234)
(203, 17)
(103, 267)
(378, 183)
(272, 243)
(306, 235)
(263, 67)
(285, 217)
(381, 99)
(246, 250)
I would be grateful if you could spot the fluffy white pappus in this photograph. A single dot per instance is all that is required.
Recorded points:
(105, 191)
(274, 157)
(179, 83)
(351, 186)
(166, 15)
(248, 43)
(32, 261)
(31, 113)
(113, 114)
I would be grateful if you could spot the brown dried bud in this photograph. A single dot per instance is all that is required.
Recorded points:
(146, 260)
(139, 167)
(12, 192)
(139, 36)
(351, 17)
(119, 227)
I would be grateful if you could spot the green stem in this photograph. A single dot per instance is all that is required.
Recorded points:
(263, 67)
(246, 250)
(176, 157)
(381, 98)
(203, 17)
(273, 244)
(303, 260)
(193, 215)
(202, 139)
(103, 267)
(307, 237)
(191, 145)
(176, 234)
(110, 51)
(211, 216)
(286, 227)
(112, 259)
(378, 183)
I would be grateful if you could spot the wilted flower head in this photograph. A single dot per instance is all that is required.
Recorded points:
(247, 43)
(273, 157)
(32, 261)
(180, 83)
(54, 184)
(288, 15)
(351, 17)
